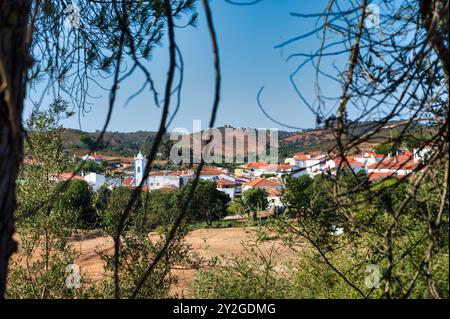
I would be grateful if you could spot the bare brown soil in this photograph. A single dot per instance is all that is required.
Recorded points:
(225, 243)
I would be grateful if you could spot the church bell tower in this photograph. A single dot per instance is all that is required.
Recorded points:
(139, 167)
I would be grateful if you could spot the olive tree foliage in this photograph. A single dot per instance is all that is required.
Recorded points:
(39, 267)
(329, 263)
(254, 200)
(208, 202)
(146, 232)
(364, 232)
(297, 193)
(356, 237)
(254, 275)
(269, 273)
(78, 196)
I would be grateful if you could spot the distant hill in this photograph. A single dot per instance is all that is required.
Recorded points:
(311, 140)
(114, 143)
(322, 140)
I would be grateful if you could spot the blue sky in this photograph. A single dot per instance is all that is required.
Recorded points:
(247, 36)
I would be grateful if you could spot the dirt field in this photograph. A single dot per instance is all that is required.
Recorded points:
(208, 243)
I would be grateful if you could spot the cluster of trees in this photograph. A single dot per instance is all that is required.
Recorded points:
(161, 206)
(210, 204)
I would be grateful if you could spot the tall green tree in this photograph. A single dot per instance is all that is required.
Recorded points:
(44, 226)
(208, 203)
(162, 206)
(386, 149)
(254, 200)
(78, 197)
(297, 194)
(145, 233)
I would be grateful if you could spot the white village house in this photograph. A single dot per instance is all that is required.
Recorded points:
(163, 179)
(98, 180)
(228, 187)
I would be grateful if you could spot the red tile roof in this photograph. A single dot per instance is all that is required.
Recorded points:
(128, 181)
(404, 158)
(120, 169)
(396, 163)
(273, 192)
(353, 162)
(157, 174)
(263, 182)
(126, 160)
(301, 157)
(207, 171)
(99, 156)
(284, 167)
(182, 172)
(408, 153)
(350, 161)
(224, 183)
(257, 165)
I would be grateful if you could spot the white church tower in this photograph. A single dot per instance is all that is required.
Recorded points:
(139, 167)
